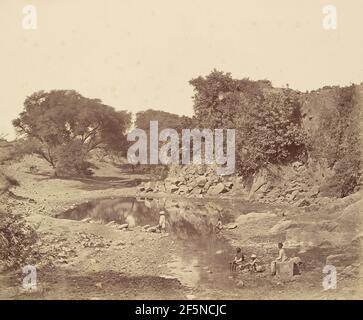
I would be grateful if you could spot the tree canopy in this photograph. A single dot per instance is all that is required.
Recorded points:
(64, 122)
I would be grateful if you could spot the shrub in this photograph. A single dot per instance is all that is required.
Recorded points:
(16, 240)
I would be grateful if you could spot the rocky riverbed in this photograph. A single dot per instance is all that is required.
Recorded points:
(94, 259)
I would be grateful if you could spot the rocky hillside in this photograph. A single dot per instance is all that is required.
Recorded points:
(191, 180)
(332, 119)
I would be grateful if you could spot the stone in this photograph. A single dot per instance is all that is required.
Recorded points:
(350, 271)
(302, 203)
(297, 164)
(281, 226)
(231, 226)
(358, 239)
(243, 218)
(196, 191)
(152, 229)
(183, 189)
(207, 186)
(123, 226)
(314, 191)
(285, 269)
(218, 189)
(228, 184)
(201, 181)
(239, 284)
(171, 188)
(343, 259)
(162, 187)
(148, 187)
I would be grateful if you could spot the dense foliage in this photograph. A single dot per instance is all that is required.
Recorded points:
(165, 120)
(338, 140)
(16, 240)
(267, 121)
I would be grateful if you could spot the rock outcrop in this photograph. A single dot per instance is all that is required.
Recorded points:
(191, 180)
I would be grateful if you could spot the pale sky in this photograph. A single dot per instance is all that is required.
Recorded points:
(139, 54)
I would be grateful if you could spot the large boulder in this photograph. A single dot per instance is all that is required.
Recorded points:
(171, 188)
(183, 189)
(314, 236)
(303, 203)
(196, 191)
(201, 181)
(148, 186)
(218, 189)
(341, 260)
(281, 226)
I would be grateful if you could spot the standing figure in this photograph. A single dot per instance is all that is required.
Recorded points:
(219, 226)
(162, 221)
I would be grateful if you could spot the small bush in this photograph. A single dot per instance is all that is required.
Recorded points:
(16, 240)
(72, 159)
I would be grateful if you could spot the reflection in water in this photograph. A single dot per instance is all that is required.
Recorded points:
(184, 220)
(202, 257)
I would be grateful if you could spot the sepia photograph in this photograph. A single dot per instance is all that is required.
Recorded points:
(194, 150)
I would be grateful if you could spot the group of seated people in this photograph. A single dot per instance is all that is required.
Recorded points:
(254, 265)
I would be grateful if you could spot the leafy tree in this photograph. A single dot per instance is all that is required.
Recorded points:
(62, 120)
(267, 120)
(165, 120)
(270, 132)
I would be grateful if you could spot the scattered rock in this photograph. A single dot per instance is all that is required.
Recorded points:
(358, 239)
(243, 218)
(123, 226)
(152, 229)
(230, 226)
(240, 284)
(281, 226)
(303, 203)
(218, 189)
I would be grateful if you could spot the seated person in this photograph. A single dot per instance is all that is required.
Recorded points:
(254, 264)
(281, 258)
(238, 259)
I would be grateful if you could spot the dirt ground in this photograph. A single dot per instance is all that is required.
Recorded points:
(92, 261)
